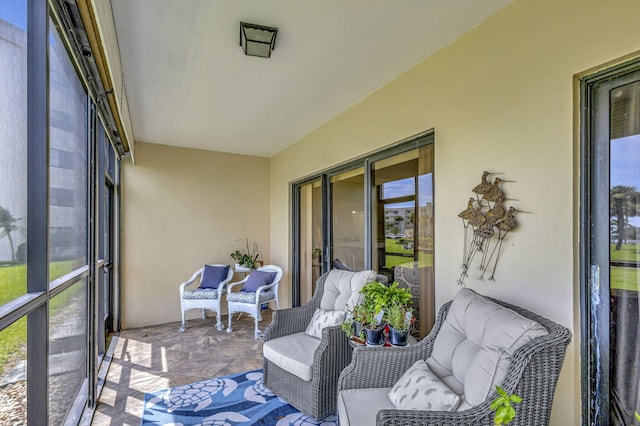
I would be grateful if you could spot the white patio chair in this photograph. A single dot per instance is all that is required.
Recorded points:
(259, 287)
(207, 295)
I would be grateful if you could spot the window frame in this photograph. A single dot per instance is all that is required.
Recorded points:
(366, 161)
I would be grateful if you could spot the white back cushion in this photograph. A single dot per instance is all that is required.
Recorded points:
(342, 288)
(476, 343)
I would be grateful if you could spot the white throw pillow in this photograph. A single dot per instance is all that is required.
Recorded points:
(420, 389)
(322, 319)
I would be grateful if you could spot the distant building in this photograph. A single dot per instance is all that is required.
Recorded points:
(68, 135)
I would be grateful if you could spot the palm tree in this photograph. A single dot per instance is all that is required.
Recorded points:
(398, 220)
(7, 226)
(624, 204)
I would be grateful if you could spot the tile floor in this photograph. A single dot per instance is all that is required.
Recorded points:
(158, 357)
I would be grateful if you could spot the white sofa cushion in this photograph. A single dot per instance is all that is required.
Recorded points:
(293, 353)
(419, 389)
(342, 288)
(476, 343)
(359, 407)
(322, 319)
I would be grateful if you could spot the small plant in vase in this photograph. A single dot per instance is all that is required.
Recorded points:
(352, 325)
(372, 325)
(399, 317)
(372, 305)
(247, 258)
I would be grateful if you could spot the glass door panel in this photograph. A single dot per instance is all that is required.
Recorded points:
(311, 241)
(624, 231)
(403, 239)
(347, 218)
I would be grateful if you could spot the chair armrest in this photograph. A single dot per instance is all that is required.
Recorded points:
(235, 284)
(264, 288)
(480, 414)
(334, 352)
(388, 363)
(289, 321)
(191, 280)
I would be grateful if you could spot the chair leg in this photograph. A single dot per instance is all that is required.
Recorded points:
(258, 312)
(258, 333)
(183, 326)
(219, 325)
(230, 314)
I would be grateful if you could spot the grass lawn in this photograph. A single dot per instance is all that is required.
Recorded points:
(13, 283)
(628, 252)
(394, 246)
(625, 278)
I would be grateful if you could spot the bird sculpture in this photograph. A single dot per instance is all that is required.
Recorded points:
(494, 194)
(504, 227)
(469, 213)
(484, 186)
(485, 218)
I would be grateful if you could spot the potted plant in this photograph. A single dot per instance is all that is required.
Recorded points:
(399, 317)
(352, 325)
(247, 258)
(372, 322)
(373, 310)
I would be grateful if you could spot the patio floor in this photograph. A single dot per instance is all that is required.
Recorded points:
(158, 357)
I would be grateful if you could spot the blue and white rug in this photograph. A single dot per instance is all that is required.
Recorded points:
(240, 399)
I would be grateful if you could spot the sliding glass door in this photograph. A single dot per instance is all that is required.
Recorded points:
(347, 218)
(375, 212)
(402, 227)
(611, 259)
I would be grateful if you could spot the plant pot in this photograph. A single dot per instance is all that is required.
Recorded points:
(357, 328)
(398, 338)
(374, 336)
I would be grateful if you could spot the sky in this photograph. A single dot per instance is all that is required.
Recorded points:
(625, 165)
(404, 187)
(14, 12)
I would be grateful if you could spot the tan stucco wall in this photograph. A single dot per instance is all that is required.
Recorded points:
(183, 208)
(501, 98)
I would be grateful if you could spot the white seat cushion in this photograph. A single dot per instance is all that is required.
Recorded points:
(359, 407)
(249, 297)
(476, 343)
(201, 293)
(342, 288)
(293, 353)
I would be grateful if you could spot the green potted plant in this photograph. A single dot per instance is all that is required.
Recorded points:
(399, 317)
(247, 258)
(371, 316)
(352, 325)
(373, 310)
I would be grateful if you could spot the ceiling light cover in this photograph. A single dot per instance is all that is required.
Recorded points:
(257, 40)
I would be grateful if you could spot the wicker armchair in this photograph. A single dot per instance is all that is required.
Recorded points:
(315, 397)
(532, 374)
(203, 298)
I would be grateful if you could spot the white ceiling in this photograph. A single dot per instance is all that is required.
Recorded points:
(189, 84)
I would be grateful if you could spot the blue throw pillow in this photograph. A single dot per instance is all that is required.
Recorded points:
(258, 279)
(212, 276)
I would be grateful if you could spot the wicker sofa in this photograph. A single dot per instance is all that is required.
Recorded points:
(288, 349)
(532, 374)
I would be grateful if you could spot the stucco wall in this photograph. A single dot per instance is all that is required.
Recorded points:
(183, 208)
(501, 98)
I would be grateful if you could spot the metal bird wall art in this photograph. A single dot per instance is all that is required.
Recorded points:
(486, 223)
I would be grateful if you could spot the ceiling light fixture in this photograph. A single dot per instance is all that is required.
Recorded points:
(257, 40)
